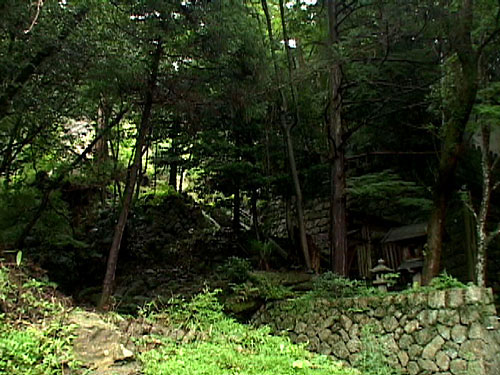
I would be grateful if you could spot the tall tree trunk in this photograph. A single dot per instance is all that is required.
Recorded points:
(181, 180)
(299, 204)
(286, 128)
(236, 208)
(336, 133)
(172, 175)
(482, 235)
(255, 213)
(459, 106)
(131, 183)
(101, 148)
(470, 242)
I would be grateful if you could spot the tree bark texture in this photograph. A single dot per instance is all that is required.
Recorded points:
(172, 175)
(112, 262)
(336, 133)
(459, 106)
(482, 235)
(299, 204)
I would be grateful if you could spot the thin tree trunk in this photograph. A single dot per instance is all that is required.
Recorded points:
(255, 214)
(236, 208)
(101, 148)
(286, 128)
(131, 183)
(298, 196)
(470, 242)
(172, 175)
(181, 180)
(482, 240)
(5, 166)
(338, 216)
(142, 173)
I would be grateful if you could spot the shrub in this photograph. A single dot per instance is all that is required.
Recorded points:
(374, 356)
(36, 351)
(331, 285)
(236, 270)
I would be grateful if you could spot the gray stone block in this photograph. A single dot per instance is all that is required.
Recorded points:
(458, 367)
(433, 347)
(443, 361)
(427, 365)
(405, 341)
(448, 317)
(454, 298)
(459, 334)
(413, 368)
(444, 331)
(437, 299)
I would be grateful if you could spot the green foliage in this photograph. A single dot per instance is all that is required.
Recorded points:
(387, 194)
(392, 278)
(156, 198)
(441, 282)
(26, 346)
(374, 356)
(264, 250)
(235, 269)
(202, 312)
(270, 288)
(15, 210)
(488, 108)
(331, 285)
(445, 281)
(36, 350)
(26, 298)
(232, 348)
(260, 287)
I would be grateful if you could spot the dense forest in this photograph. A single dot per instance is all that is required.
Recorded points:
(249, 187)
(385, 110)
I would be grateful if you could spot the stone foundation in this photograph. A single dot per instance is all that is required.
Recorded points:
(452, 332)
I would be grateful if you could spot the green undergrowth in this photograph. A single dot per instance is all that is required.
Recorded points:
(37, 350)
(332, 286)
(225, 346)
(34, 338)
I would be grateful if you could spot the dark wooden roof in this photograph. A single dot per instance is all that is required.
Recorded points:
(406, 232)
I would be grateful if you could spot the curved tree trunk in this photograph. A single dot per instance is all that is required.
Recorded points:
(109, 278)
(286, 127)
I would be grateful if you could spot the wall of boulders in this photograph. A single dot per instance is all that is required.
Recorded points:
(449, 332)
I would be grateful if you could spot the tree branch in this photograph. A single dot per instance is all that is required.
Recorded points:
(391, 153)
(35, 19)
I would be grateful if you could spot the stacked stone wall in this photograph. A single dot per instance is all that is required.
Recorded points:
(316, 215)
(452, 332)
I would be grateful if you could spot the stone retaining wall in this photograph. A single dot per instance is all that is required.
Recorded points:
(452, 332)
(316, 215)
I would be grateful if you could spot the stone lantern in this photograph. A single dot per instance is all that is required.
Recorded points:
(380, 270)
